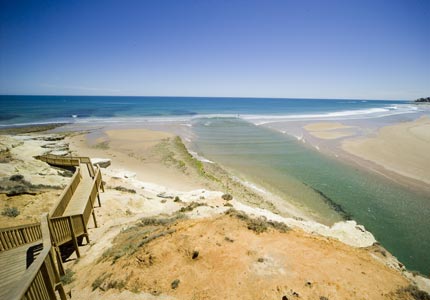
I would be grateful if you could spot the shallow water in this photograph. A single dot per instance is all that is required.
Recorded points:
(398, 217)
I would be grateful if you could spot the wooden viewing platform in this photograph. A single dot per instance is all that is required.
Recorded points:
(30, 255)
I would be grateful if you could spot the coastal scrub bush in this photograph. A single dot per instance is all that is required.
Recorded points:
(18, 190)
(102, 145)
(159, 221)
(175, 283)
(16, 177)
(414, 292)
(97, 283)
(257, 225)
(191, 206)
(11, 212)
(124, 189)
(191, 160)
(68, 277)
(5, 156)
(227, 197)
(132, 238)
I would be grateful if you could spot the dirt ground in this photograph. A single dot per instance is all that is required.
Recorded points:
(233, 262)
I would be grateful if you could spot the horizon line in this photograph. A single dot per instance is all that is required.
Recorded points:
(226, 97)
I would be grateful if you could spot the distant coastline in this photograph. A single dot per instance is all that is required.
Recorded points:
(423, 100)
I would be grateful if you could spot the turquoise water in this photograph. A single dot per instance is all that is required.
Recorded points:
(398, 217)
(75, 109)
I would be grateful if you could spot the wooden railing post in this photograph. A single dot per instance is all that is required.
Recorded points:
(59, 261)
(74, 239)
(58, 284)
(101, 181)
(47, 281)
(92, 211)
(94, 218)
(87, 237)
(24, 235)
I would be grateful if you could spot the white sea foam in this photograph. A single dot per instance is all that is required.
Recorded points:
(338, 115)
(34, 123)
(251, 185)
(300, 138)
(199, 157)
(256, 119)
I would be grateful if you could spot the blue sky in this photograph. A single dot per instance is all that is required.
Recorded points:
(307, 49)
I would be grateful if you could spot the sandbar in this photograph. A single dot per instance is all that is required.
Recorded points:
(329, 130)
(403, 148)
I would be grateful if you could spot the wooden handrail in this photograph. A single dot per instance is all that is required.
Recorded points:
(65, 197)
(59, 160)
(64, 228)
(37, 282)
(41, 280)
(68, 161)
(13, 237)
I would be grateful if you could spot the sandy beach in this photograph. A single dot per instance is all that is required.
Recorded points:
(403, 148)
(399, 152)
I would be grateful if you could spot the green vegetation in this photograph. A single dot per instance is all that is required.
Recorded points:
(68, 278)
(257, 225)
(102, 145)
(103, 283)
(227, 197)
(414, 292)
(5, 156)
(124, 189)
(17, 185)
(420, 100)
(11, 212)
(191, 206)
(175, 283)
(99, 281)
(29, 128)
(182, 159)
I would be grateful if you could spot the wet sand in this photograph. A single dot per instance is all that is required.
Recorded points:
(329, 130)
(403, 148)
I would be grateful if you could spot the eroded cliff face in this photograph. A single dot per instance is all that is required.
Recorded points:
(29, 187)
(230, 257)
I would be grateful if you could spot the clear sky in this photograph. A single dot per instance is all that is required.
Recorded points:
(308, 49)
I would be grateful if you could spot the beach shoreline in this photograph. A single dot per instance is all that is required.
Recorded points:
(351, 144)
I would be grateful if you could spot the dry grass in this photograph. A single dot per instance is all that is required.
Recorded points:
(137, 236)
(68, 277)
(10, 212)
(257, 225)
(124, 189)
(191, 206)
(411, 292)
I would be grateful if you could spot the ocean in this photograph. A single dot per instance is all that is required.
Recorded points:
(232, 132)
(21, 110)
